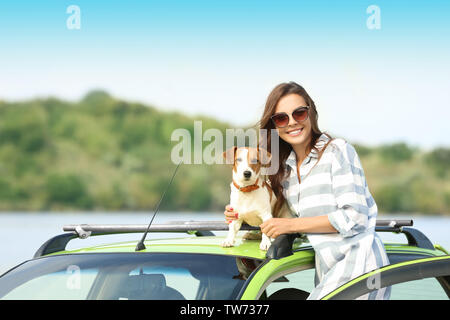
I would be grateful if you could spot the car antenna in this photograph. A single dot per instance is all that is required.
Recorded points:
(140, 246)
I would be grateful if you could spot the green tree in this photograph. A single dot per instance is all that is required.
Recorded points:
(68, 190)
(396, 152)
(439, 161)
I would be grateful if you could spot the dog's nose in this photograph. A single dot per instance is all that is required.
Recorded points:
(247, 174)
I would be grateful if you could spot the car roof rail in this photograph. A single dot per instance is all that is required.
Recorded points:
(83, 231)
(415, 237)
(281, 247)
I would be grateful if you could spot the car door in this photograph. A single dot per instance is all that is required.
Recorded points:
(437, 268)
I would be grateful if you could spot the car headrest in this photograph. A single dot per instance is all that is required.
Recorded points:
(146, 282)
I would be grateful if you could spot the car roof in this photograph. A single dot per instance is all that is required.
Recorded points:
(204, 245)
(212, 245)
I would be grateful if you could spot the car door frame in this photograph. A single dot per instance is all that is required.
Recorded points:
(272, 269)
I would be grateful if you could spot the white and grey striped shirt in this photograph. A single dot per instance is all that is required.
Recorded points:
(336, 187)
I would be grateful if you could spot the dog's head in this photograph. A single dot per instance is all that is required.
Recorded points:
(247, 163)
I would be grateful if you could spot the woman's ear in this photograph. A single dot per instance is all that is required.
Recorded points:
(265, 157)
(229, 155)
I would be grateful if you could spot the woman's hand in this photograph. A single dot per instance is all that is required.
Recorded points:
(229, 213)
(276, 226)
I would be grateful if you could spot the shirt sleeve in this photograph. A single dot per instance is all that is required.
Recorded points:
(349, 188)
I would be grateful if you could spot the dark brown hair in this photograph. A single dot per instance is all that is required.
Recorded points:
(285, 148)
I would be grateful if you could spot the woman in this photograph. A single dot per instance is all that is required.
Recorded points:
(322, 181)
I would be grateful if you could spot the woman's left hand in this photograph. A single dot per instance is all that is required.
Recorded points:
(276, 226)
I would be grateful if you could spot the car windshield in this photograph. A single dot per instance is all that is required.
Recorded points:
(114, 276)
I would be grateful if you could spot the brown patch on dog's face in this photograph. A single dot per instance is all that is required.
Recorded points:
(230, 157)
(253, 160)
(265, 157)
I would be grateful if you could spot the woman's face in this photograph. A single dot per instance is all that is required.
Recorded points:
(296, 134)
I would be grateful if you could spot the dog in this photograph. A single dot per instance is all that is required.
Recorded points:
(251, 196)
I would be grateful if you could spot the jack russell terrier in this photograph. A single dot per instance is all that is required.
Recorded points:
(251, 196)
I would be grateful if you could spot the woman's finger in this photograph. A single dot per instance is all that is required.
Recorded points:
(231, 215)
(265, 227)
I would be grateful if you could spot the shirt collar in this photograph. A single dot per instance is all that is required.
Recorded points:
(292, 158)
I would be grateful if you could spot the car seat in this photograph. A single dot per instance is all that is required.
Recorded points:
(149, 287)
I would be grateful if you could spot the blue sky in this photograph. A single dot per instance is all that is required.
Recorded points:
(222, 58)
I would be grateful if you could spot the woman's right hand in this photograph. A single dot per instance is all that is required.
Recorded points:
(230, 214)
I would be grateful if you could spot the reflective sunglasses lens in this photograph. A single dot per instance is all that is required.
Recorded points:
(300, 114)
(280, 120)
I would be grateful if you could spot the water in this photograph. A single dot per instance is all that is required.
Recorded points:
(21, 234)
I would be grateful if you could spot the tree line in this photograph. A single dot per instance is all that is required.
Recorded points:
(102, 153)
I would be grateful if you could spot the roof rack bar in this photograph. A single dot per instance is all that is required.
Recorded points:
(186, 226)
(203, 228)
(180, 226)
(394, 223)
(83, 231)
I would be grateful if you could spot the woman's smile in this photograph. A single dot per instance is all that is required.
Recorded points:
(294, 132)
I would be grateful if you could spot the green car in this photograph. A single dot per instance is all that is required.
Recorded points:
(197, 267)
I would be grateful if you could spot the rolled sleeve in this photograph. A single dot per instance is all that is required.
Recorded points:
(349, 188)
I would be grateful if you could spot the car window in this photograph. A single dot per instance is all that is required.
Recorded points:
(297, 284)
(421, 279)
(115, 276)
(423, 289)
(69, 284)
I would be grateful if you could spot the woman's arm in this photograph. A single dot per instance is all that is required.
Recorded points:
(276, 226)
(354, 201)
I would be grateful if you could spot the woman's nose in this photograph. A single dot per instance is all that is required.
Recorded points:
(291, 120)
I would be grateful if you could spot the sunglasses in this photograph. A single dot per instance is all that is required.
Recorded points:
(281, 119)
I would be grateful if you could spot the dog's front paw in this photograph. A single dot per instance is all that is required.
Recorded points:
(227, 243)
(265, 244)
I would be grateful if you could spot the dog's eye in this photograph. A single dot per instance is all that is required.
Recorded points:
(254, 161)
(238, 159)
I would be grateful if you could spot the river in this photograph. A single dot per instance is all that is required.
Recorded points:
(21, 234)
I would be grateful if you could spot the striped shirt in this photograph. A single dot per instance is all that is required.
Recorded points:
(336, 187)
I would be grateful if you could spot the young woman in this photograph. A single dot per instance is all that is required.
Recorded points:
(322, 181)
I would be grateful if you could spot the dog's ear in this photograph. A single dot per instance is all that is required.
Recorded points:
(229, 155)
(264, 157)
